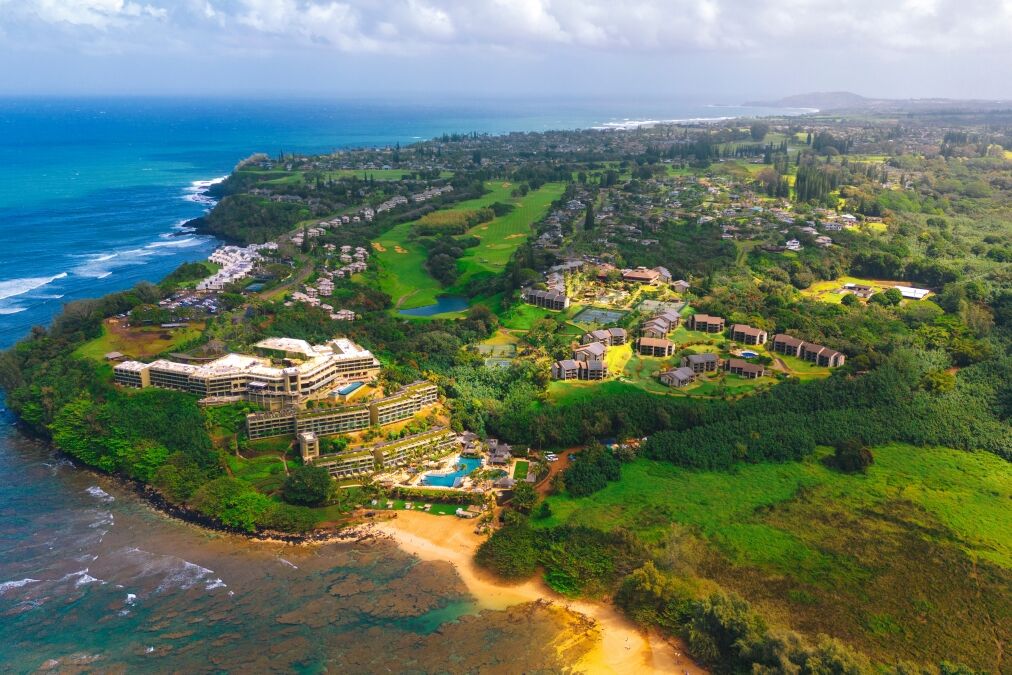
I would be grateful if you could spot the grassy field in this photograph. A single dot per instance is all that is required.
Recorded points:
(402, 262)
(827, 291)
(520, 470)
(502, 236)
(912, 560)
(136, 342)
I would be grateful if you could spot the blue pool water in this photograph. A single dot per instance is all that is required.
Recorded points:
(444, 303)
(749, 354)
(466, 466)
(349, 388)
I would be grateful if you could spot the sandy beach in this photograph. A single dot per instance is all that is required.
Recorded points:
(623, 648)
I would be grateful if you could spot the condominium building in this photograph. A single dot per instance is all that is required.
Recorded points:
(809, 351)
(553, 300)
(655, 347)
(748, 335)
(743, 368)
(700, 363)
(286, 373)
(403, 405)
(705, 323)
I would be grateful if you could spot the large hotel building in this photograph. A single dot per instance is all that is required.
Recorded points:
(285, 373)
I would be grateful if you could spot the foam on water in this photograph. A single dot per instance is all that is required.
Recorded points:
(10, 288)
(99, 493)
(10, 585)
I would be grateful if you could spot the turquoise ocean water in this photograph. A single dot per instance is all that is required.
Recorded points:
(93, 194)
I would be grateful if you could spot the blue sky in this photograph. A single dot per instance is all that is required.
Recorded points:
(721, 49)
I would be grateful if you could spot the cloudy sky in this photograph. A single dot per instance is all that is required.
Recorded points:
(728, 49)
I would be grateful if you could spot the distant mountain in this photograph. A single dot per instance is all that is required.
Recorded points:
(823, 100)
(838, 101)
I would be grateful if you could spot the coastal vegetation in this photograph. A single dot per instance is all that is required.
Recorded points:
(816, 519)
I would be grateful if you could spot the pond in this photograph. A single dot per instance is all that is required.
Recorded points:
(444, 303)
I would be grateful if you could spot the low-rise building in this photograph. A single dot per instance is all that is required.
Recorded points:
(700, 363)
(809, 351)
(743, 368)
(748, 335)
(648, 346)
(705, 323)
(679, 377)
(606, 336)
(552, 300)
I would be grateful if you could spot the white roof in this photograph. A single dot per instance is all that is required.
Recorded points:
(911, 292)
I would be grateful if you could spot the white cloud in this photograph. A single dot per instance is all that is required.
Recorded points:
(416, 26)
(92, 13)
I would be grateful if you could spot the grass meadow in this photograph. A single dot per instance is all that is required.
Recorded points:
(838, 554)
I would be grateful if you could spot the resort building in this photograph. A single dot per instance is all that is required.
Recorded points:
(406, 403)
(748, 335)
(607, 336)
(498, 452)
(700, 363)
(288, 373)
(592, 351)
(642, 275)
(403, 405)
(587, 363)
(749, 371)
(679, 377)
(809, 351)
(661, 324)
(356, 462)
(787, 345)
(705, 323)
(309, 446)
(553, 300)
(648, 346)
(822, 356)
(571, 369)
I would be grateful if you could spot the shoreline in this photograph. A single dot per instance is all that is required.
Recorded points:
(623, 647)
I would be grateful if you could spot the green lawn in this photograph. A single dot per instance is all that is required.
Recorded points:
(520, 470)
(402, 262)
(139, 343)
(266, 473)
(922, 543)
(502, 236)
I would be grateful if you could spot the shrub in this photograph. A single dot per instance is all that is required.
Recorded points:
(307, 485)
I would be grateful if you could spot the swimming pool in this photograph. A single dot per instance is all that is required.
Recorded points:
(749, 354)
(349, 388)
(464, 466)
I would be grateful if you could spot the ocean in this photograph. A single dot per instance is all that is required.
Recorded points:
(93, 197)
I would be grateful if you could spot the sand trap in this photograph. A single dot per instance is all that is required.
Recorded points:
(398, 249)
(378, 247)
(624, 647)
